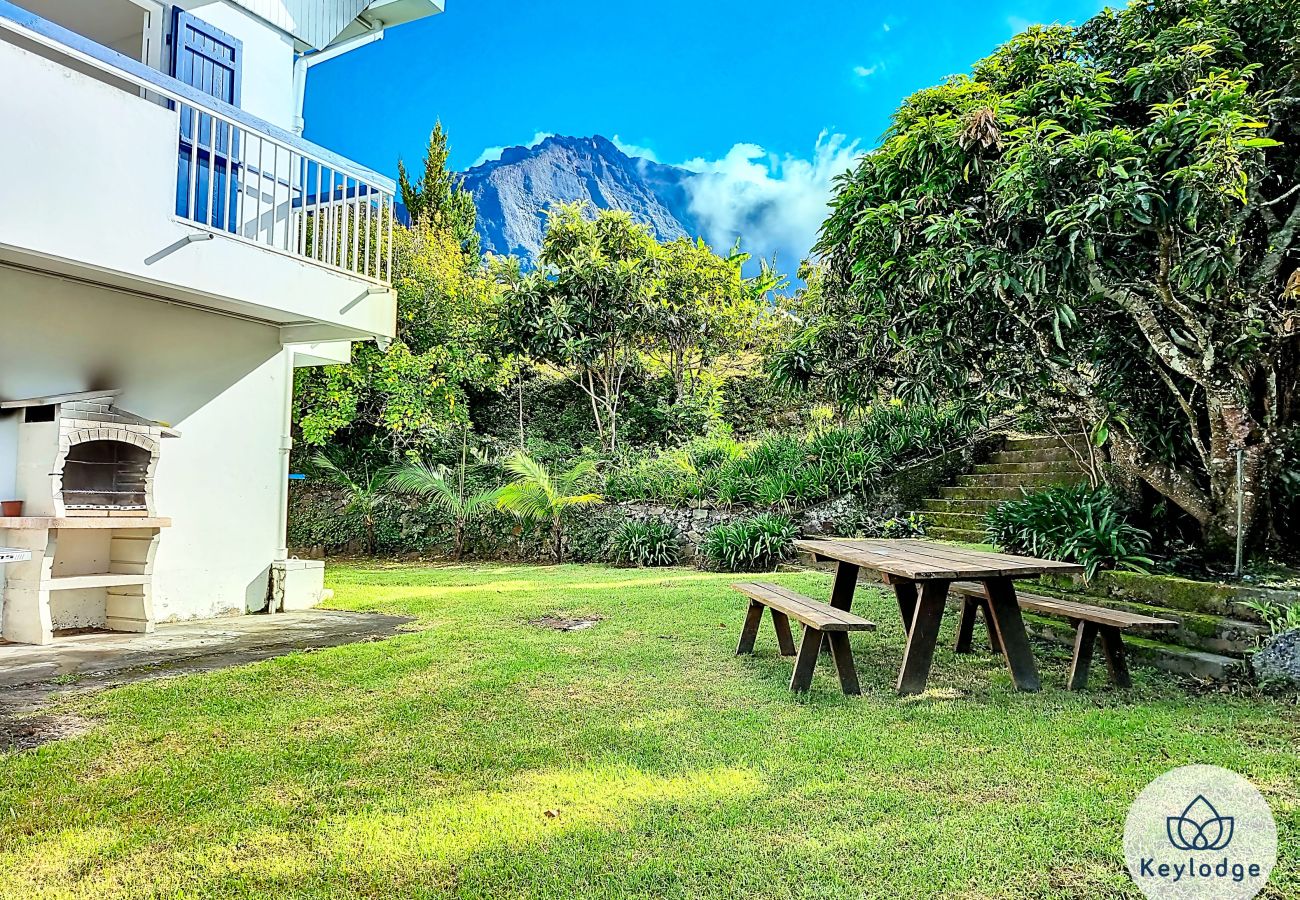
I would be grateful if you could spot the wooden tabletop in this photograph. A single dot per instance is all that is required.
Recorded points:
(927, 561)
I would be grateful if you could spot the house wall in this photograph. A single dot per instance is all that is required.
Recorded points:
(266, 87)
(220, 381)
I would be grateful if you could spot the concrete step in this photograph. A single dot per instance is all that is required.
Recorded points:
(1045, 443)
(966, 521)
(968, 492)
(1062, 467)
(1049, 455)
(942, 505)
(1196, 631)
(1017, 479)
(967, 536)
(1145, 651)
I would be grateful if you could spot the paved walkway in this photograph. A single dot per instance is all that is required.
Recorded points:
(104, 659)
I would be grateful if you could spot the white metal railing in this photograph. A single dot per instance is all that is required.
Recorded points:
(244, 178)
(244, 183)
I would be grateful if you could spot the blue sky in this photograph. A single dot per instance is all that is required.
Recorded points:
(772, 97)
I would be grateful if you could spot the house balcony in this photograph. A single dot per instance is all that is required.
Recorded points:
(119, 175)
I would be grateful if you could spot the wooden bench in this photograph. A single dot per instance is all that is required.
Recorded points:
(1090, 623)
(820, 620)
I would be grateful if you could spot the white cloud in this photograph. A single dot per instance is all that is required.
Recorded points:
(633, 150)
(775, 204)
(885, 27)
(865, 71)
(492, 154)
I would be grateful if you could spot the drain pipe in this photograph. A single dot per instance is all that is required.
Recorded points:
(286, 447)
(305, 61)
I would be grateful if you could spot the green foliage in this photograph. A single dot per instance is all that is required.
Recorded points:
(756, 544)
(446, 491)
(1277, 617)
(1073, 523)
(790, 471)
(538, 496)
(1100, 222)
(646, 544)
(364, 496)
(448, 338)
(862, 525)
(439, 198)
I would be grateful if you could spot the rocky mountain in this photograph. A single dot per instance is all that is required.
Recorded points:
(513, 193)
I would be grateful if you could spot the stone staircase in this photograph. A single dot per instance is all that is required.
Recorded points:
(1215, 630)
(1023, 464)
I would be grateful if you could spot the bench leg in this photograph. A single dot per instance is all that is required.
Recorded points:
(749, 632)
(843, 654)
(784, 639)
(922, 637)
(1010, 626)
(965, 625)
(1112, 644)
(1085, 639)
(810, 648)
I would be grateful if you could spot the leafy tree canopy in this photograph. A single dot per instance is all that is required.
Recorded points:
(1101, 221)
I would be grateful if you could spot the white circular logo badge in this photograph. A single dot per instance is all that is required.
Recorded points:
(1200, 832)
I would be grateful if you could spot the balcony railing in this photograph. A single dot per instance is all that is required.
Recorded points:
(245, 179)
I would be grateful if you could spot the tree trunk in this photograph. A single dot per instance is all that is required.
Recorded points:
(557, 537)
(1234, 432)
(459, 549)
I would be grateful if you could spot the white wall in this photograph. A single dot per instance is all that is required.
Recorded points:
(221, 382)
(267, 83)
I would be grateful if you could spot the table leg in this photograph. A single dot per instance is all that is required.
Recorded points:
(1004, 613)
(905, 591)
(966, 625)
(846, 582)
(922, 637)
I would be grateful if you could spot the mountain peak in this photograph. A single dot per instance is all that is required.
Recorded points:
(514, 192)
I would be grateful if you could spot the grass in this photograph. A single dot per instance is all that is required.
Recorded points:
(483, 757)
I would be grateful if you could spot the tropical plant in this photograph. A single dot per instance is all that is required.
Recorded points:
(749, 545)
(447, 491)
(364, 496)
(1278, 617)
(648, 544)
(1102, 222)
(536, 495)
(1072, 523)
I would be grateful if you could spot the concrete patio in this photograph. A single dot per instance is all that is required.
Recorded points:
(102, 659)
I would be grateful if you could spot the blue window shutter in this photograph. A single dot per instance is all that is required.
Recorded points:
(207, 58)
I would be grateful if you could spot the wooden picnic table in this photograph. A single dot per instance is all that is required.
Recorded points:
(920, 573)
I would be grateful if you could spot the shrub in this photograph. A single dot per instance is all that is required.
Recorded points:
(1072, 523)
(754, 544)
(647, 544)
(782, 471)
(869, 526)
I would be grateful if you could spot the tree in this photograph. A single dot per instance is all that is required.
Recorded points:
(448, 340)
(1102, 222)
(364, 497)
(439, 198)
(538, 496)
(587, 310)
(704, 308)
(447, 492)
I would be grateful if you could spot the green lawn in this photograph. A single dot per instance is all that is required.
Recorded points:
(483, 757)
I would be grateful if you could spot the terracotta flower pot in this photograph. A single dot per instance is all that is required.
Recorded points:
(11, 508)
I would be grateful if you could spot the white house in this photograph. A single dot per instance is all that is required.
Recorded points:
(171, 250)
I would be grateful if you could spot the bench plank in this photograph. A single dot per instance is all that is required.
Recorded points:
(1068, 609)
(812, 613)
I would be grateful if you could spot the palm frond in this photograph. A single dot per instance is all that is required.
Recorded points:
(424, 480)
